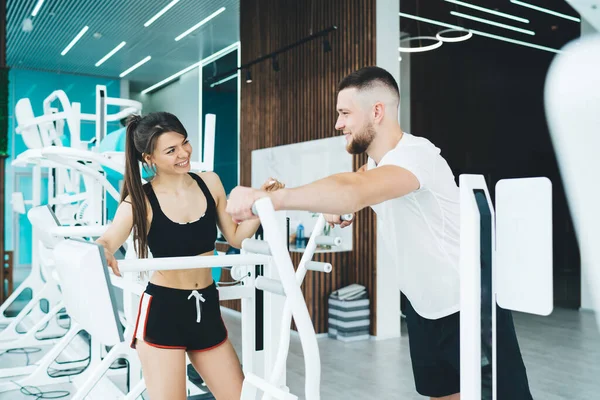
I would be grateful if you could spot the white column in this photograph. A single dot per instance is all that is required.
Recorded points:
(388, 294)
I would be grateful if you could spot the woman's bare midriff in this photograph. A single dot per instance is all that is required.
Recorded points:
(184, 278)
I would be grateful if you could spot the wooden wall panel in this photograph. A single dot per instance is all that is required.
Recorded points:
(298, 103)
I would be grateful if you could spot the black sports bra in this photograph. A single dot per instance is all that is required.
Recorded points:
(173, 239)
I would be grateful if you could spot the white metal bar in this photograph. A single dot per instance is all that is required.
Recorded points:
(249, 324)
(136, 391)
(328, 240)
(235, 292)
(347, 217)
(283, 349)
(78, 231)
(308, 338)
(256, 246)
(36, 186)
(470, 290)
(318, 266)
(122, 114)
(208, 150)
(17, 371)
(174, 263)
(88, 117)
(86, 170)
(117, 101)
(41, 120)
(267, 388)
(83, 155)
(269, 285)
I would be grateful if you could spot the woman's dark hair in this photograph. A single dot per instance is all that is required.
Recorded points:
(142, 133)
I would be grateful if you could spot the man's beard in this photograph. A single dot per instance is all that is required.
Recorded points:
(361, 140)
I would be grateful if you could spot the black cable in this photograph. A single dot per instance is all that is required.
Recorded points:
(59, 373)
(53, 394)
(23, 350)
(52, 372)
(116, 365)
(80, 360)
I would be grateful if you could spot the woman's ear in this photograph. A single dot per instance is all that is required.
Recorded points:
(147, 158)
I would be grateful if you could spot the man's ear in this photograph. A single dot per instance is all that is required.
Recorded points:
(378, 112)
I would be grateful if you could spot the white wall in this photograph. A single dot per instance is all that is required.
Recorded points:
(181, 98)
(388, 294)
(587, 302)
(124, 88)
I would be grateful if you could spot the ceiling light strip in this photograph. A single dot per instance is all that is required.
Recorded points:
(493, 23)
(431, 21)
(37, 7)
(202, 62)
(224, 51)
(134, 67)
(489, 11)
(224, 80)
(160, 13)
(199, 24)
(75, 40)
(170, 78)
(110, 54)
(488, 35)
(514, 41)
(545, 10)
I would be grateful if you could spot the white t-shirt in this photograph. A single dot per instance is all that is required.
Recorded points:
(422, 229)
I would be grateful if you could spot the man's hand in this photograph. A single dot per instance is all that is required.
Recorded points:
(333, 220)
(239, 204)
(362, 169)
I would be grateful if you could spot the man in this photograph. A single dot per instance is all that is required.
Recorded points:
(413, 191)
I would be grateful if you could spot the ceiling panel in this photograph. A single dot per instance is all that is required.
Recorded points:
(59, 21)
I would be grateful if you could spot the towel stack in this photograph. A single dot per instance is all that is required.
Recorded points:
(349, 314)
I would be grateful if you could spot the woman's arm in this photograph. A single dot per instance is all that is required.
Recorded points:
(234, 233)
(117, 233)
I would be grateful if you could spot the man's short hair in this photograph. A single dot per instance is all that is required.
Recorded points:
(370, 77)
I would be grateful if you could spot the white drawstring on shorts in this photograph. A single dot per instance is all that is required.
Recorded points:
(199, 299)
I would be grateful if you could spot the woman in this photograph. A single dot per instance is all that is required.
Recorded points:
(175, 215)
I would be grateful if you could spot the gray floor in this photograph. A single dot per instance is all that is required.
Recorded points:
(561, 352)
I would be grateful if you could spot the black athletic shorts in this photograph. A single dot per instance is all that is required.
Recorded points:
(435, 354)
(180, 319)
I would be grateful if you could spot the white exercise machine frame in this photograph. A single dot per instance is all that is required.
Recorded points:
(521, 261)
(65, 254)
(88, 165)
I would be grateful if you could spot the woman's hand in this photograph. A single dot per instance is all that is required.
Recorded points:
(272, 185)
(112, 262)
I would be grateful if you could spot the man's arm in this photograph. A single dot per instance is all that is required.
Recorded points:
(337, 194)
(348, 192)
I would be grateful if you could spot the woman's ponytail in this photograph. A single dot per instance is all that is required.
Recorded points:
(133, 188)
